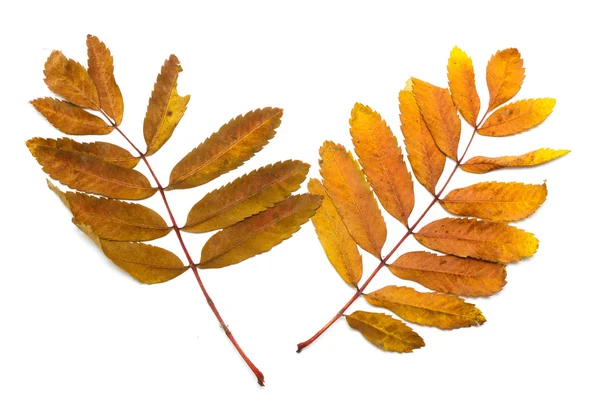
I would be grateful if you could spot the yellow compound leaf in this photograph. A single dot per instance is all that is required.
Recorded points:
(246, 196)
(496, 201)
(385, 332)
(451, 274)
(70, 80)
(481, 164)
(461, 81)
(106, 151)
(340, 248)
(70, 119)
(350, 193)
(488, 240)
(440, 116)
(146, 263)
(426, 159)
(504, 75)
(101, 69)
(382, 162)
(165, 108)
(227, 149)
(517, 117)
(259, 233)
(429, 309)
(89, 173)
(116, 220)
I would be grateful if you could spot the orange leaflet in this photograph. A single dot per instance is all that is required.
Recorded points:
(504, 75)
(69, 118)
(461, 81)
(517, 117)
(70, 80)
(481, 164)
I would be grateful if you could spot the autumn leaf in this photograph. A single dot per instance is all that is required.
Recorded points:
(106, 151)
(353, 199)
(91, 174)
(70, 80)
(340, 248)
(496, 201)
(258, 233)
(426, 159)
(504, 75)
(385, 332)
(165, 108)
(450, 274)
(69, 118)
(517, 117)
(487, 240)
(146, 263)
(382, 162)
(461, 81)
(101, 70)
(440, 116)
(429, 309)
(227, 149)
(246, 196)
(481, 164)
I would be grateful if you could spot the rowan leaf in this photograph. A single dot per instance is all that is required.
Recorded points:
(106, 151)
(517, 117)
(461, 81)
(101, 69)
(352, 197)
(450, 274)
(481, 164)
(504, 75)
(70, 119)
(117, 220)
(488, 240)
(382, 162)
(496, 201)
(340, 248)
(259, 233)
(146, 263)
(227, 149)
(89, 173)
(426, 159)
(165, 108)
(70, 80)
(429, 309)
(246, 196)
(440, 116)
(385, 332)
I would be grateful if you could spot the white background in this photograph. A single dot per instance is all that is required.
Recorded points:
(77, 332)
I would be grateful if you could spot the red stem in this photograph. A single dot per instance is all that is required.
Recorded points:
(362, 288)
(259, 376)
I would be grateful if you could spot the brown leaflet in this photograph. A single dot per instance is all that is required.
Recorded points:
(70, 119)
(70, 80)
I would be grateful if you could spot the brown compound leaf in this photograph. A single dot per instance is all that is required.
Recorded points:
(70, 80)
(426, 159)
(106, 151)
(165, 108)
(382, 162)
(259, 233)
(89, 173)
(487, 240)
(450, 274)
(350, 193)
(340, 248)
(517, 117)
(429, 309)
(246, 196)
(101, 69)
(69, 118)
(385, 332)
(227, 149)
(496, 201)
(481, 164)
(440, 116)
(504, 75)
(461, 81)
